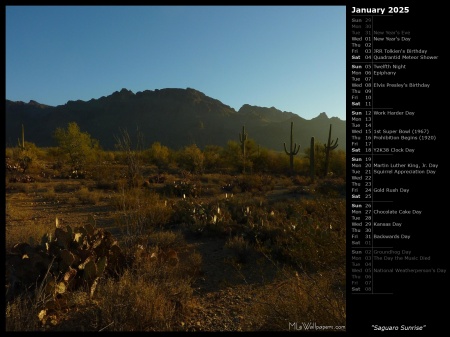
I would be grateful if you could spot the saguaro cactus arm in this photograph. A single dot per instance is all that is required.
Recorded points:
(293, 149)
(331, 145)
(243, 136)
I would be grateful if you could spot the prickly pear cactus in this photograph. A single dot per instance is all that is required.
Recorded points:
(65, 260)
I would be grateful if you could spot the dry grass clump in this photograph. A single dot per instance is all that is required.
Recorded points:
(311, 234)
(22, 225)
(87, 197)
(49, 193)
(22, 314)
(140, 210)
(107, 175)
(332, 187)
(301, 299)
(144, 301)
(18, 187)
(66, 187)
(166, 239)
(153, 294)
(239, 248)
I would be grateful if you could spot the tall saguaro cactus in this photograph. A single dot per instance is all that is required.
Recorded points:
(293, 150)
(242, 139)
(22, 144)
(330, 146)
(312, 172)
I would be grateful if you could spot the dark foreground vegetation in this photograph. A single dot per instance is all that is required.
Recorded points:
(237, 238)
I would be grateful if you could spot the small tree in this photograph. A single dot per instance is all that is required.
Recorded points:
(159, 155)
(261, 161)
(191, 158)
(78, 147)
(213, 157)
(232, 155)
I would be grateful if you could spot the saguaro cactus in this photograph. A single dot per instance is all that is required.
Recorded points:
(312, 172)
(293, 150)
(22, 144)
(242, 139)
(330, 146)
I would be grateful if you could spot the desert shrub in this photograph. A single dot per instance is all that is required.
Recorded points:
(106, 156)
(232, 156)
(213, 159)
(108, 184)
(9, 152)
(183, 212)
(332, 187)
(158, 155)
(205, 218)
(50, 194)
(301, 298)
(181, 188)
(311, 235)
(239, 247)
(193, 265)
(256, 183)
(245, 209)
(191, 158)
(76, 147)
(130, 155)
(21, 187)
(65, 188)
(140, 210)
(301, 164)
(26, 157)
(210, 190)
(106, 175)
(73, 201)
(87, 197)
(143, 302)
(338, 163)
(261, 161)
(50, 154)
(150, 296)
(299, 180)
(166, 239)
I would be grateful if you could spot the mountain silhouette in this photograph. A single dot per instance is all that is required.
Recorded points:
(174, 117)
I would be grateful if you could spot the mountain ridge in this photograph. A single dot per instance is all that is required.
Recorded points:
(175, 117)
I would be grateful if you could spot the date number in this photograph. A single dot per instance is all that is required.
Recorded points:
(398, 10)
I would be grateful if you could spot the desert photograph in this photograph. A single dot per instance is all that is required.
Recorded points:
(175, 168)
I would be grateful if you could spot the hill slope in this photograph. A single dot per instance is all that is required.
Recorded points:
(174, 117)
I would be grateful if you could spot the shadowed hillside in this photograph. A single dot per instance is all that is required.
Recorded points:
(173, 117)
